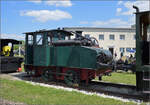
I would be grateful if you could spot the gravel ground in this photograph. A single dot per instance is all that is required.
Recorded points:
(6, 102)
(12, 76)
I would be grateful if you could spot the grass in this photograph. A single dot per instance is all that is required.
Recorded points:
(19, 91)
(124, 77)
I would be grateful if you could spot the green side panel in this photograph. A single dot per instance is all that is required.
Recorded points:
(41, 56)
(87, 58)
(52, 57)
(29, 55)
(75, 56)
(62, 55)
(47, 57)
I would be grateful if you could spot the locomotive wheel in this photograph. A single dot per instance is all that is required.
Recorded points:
(72, 79)
(47, 76)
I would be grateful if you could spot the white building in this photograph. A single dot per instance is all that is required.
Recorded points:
(116, 40)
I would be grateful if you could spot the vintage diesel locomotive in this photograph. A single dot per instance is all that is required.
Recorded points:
(9, 62)
(56, 55)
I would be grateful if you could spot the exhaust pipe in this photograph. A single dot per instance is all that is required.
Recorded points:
(137, 9)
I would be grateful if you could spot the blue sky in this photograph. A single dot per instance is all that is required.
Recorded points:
(24, 16)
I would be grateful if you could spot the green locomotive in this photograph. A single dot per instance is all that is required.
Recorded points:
(54, 55)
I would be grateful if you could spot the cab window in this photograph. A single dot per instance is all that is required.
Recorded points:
(30, 39)
(67, 38)
(49, 40)
(58, 36)
(39, 39)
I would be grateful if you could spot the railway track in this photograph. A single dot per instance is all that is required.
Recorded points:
(121, 90)
(113, 89)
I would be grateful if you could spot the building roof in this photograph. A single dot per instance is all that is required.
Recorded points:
(97, 29)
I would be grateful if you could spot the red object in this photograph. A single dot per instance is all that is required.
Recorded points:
(19, 69)
(85, 74)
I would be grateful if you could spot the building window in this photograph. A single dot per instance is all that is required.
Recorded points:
(128, 49)
(122, 37)
(121, 49)
(87, 35)
(101, 37)
(112, 37)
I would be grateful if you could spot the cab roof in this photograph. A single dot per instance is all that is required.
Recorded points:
(67, 33)
(13, 41)
(145, 16)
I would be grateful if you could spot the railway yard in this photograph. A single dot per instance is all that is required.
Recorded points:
(98, 91)
(61, 67)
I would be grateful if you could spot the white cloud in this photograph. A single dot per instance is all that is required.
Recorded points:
(131, 20)
(112, 23)
(118, 10)
(120, 2)
(59, 3)
(142, 5)
(127, 10)
(35, 1)
(46, 15)
(13, 36)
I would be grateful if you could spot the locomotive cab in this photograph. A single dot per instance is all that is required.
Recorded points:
(39, 43)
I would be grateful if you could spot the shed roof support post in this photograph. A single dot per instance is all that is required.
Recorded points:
(19, 49)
